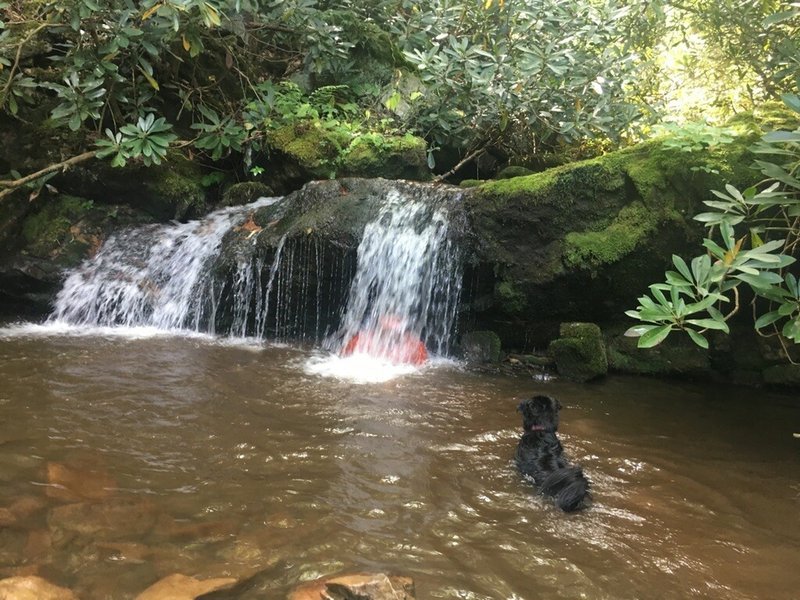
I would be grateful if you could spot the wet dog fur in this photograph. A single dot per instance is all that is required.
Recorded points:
(540, 455)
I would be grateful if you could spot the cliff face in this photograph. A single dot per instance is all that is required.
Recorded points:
(583, 241)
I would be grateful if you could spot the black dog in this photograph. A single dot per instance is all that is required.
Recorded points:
(540, 455)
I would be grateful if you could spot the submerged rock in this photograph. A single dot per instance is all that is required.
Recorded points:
(366, 586)
(183, 587)
(84, 480)
(32, 588)
(113, 520)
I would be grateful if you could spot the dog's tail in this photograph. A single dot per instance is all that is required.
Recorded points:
(568, 486)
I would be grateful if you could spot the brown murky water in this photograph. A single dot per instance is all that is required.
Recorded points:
(191, 456)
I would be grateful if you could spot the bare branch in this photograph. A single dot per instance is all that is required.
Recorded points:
(11, 185)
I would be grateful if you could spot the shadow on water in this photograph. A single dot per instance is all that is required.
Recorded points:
(194, 456)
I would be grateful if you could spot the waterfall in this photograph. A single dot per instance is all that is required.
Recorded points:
(218, 275)
(153, 276)
(407, 282)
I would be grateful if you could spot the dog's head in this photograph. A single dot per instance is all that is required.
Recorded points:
(539, 413)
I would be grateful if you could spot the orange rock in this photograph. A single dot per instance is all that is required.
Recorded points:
(183, 587)
(39, 544)
(123, 517)
(85, 480)
(32, 588)
(26, 506)
(7, 518)
(372, 586)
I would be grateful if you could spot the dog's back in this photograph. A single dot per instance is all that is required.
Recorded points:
(540, 456)
(568, 487)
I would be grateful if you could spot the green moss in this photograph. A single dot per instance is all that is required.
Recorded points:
(391, 157)
(512, 300)
(471, 183)
(580, 353)
(513, 171)
(245, 192)
(313, 147)
(174, 189)
(481, 346)
(48, 230)
(579, 330)
(592, 249)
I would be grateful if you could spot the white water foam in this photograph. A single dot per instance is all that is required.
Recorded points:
(357, 368)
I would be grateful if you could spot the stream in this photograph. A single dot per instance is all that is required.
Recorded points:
(125, 458)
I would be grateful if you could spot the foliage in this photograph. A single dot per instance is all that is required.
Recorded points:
(526, 72)
(519, 77)
(757, 238)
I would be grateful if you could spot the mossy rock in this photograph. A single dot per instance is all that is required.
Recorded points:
(481, 346)
(47, 232)
(390, 157)
(471, 183)
(315, 148)
(782, 375)
(245, 193)
(678, 355)
(513, 171)
(174, 189)
(580, 353)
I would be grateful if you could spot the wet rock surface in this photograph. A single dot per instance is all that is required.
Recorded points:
(32, 588)
(361, 586)
(183, 587)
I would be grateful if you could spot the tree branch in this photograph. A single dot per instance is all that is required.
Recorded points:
(461, 163)
(17, 57)
(11, 185)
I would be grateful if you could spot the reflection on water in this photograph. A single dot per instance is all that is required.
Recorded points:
(137, 458)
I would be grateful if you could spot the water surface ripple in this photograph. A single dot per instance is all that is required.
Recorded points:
(249, 465)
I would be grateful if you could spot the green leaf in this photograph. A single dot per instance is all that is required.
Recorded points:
(792, 101)
(683, 269)
(710, 324)
(767, 319)
(698, 338)
(654, 336)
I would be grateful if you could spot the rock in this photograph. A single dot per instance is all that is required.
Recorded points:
(7, 518)
(26, 506)
(83, 480)
(580, 353)
(183, 587)
(39, 545)
(366, 586)
(245, 193)
(169, 528)
(32, 588)
(513, 171)
(678, 355)
(481, 346)
(586, 239)
(108, 521)
(786, 374)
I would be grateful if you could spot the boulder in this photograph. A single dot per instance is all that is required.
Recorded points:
(32, 588)
(580, 353)
(481, 346)
(360, 586)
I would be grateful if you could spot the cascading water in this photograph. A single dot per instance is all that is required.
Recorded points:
(153, 276)
(407, 284)
(215, 276)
